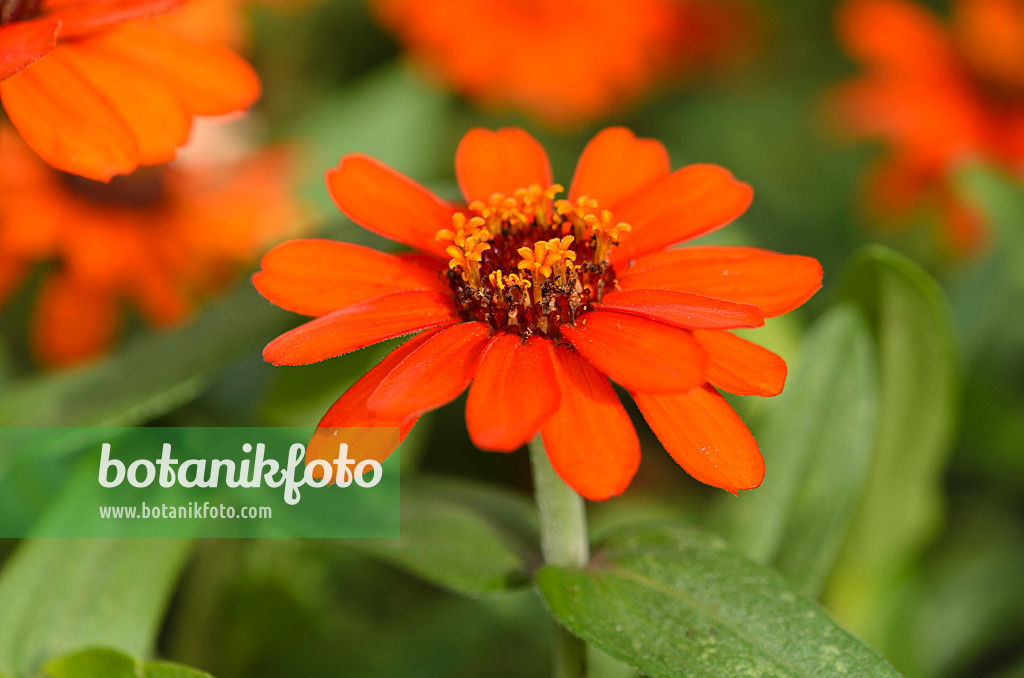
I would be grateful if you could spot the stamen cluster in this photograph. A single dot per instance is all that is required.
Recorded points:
(528, 263)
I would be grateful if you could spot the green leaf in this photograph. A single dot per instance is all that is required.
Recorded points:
(468, 538)
(95, 663)
(108, 663)
(169, 670)
(59, 595)
(672, 601)
(818, 438)
(901, 506)
(149, 377)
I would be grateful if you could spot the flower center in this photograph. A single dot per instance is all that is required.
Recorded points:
(526, 264)
(18, 10)
(142, 189)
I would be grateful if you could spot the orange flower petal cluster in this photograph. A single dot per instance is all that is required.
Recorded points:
(939, 95)
(565, 61)
(97, 92)
(158, 239)
(534, 302)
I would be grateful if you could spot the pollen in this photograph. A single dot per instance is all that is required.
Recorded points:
(527, 263)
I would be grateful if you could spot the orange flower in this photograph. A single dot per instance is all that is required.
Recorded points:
(533, 301)
(159, 239)
(564, 61)
(97, 92)
(938, 96)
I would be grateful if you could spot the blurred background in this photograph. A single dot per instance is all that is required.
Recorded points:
(931, 572)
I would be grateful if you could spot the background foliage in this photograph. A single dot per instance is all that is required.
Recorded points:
(895, 470)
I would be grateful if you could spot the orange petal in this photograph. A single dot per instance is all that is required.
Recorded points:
(616, 164)
(207, 79)
(67, 122)
(314, 277)
(23, 42)
(350, 409)
(895, 35)
(703, 434)
(73, 322)
(433, 374)
(363, 324)
(81, 18)
(589, 439)
(148, 107)
(739, 366)
(388, 203)
(688, 203)
(513, 392)
(640, 354)
(777, 283)
(683, 309)
(489, 162)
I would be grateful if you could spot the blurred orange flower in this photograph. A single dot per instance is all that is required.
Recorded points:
(565, 61)
(939, 95)
(97, 92)
(159, 239)
(537, 301)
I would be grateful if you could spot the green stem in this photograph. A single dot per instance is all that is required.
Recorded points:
(563, 541)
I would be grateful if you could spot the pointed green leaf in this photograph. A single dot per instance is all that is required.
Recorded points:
(60, 595)
(673, 602)
(817, 437)
(917, 380)
(462, 536)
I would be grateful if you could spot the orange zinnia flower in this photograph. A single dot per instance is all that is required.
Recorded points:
(537, 301)
(159, 238)
(939, 96)
(564, 61)
(96, 92)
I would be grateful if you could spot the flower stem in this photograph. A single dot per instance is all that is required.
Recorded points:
(563, 541)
